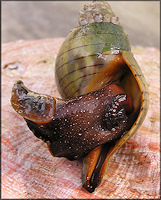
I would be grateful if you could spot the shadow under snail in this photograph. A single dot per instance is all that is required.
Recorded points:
(104, 95)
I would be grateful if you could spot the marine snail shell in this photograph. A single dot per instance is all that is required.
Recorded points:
(105, 95)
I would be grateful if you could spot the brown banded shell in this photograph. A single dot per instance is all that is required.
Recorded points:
(94, 54)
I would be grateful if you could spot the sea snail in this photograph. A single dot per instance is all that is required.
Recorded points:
(104, 95)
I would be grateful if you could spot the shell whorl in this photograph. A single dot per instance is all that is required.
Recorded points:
(97, 12)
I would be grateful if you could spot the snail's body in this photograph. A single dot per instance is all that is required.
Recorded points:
(82, 121)
(105, 96)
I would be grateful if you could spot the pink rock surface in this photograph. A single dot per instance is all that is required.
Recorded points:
(28, 168)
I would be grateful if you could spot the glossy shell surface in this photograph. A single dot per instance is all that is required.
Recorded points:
(85, 53)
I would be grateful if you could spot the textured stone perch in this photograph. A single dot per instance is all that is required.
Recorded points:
(29, 170)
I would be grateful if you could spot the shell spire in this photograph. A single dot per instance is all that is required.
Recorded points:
(99, 11)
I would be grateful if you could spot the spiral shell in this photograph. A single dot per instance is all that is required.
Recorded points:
(88, 48)
(85, 63)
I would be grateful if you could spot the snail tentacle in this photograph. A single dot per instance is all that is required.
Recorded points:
(31, 105)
